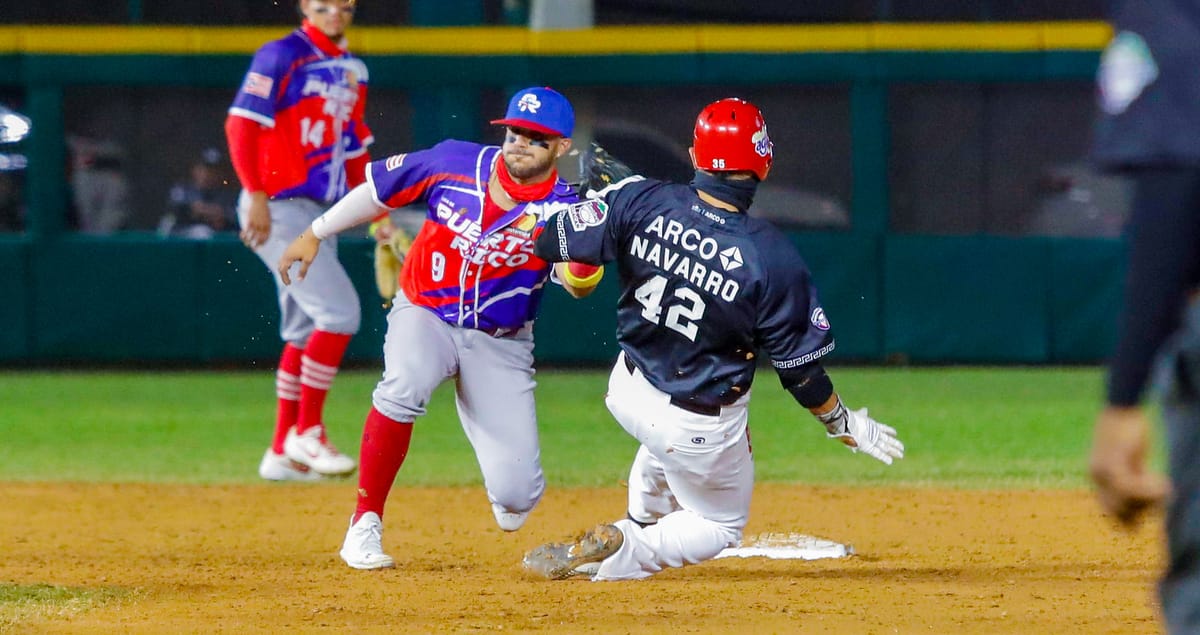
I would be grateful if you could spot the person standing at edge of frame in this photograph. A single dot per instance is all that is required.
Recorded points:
(298, 142)
(1149, 129)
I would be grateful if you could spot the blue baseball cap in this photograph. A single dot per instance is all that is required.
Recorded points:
(544, 110)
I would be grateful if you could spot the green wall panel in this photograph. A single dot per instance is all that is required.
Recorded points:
(1085, 290)
(845, 267)
(921, 298)
(960, 299)
(358, 257)
(116, 299)
(408, 71)
(757, 68)
(622, 70)
(240, 316)
(14, 289)
(135, 70)
(571, 331)
(425, 71)
(958, 65)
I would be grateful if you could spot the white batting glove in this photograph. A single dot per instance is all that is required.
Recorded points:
(858, 431)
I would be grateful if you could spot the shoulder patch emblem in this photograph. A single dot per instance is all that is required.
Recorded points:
(586, 214)
(394, 161)
(819, 320)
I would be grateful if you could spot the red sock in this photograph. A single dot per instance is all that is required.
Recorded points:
(384, 446)
(319, 366)
(287, 393)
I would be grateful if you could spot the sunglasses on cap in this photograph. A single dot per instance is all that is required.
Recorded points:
(325, 8)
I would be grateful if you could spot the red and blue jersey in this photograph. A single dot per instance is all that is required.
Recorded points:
(311, 95)
(470, 275)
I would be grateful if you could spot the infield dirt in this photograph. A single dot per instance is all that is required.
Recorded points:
(263, 559)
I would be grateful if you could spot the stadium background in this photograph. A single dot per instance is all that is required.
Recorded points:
(932, 161)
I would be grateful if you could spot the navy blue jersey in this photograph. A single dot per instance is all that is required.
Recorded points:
(1149, 86)
(703, 290)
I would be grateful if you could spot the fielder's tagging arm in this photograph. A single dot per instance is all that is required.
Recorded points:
(577, 278)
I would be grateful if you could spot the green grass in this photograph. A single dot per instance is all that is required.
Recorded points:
(21, 603)
(964, 427)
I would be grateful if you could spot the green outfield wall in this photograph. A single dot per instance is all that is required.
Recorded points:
(974, 299)
(899, 298)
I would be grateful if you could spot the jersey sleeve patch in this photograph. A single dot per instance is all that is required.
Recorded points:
(258, 85)
(586, 214)
(819, 320)
(394, 161)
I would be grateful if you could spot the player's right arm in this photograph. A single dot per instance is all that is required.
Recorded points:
(245, 142)
(355, 208)
(245, 132)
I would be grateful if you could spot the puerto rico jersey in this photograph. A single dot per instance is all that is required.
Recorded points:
(485, 278)
(312, 96)
(703, 289)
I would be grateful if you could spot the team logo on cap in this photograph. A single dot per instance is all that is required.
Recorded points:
(529, 103)
(762, 142)
(819, 320)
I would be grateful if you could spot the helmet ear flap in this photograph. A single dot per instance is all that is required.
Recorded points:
(731, 136)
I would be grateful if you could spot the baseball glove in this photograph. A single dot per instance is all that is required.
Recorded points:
(598, 169)
(389, 257)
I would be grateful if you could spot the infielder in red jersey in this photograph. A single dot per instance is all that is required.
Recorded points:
(469, 290)
(298, 142)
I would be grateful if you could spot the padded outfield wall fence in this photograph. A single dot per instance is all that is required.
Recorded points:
(921, 298)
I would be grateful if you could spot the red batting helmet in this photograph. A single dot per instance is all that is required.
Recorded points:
(731, 136)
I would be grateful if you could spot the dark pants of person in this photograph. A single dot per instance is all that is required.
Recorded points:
(1180, 587)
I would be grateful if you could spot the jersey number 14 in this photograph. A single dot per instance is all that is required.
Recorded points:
(680, 317)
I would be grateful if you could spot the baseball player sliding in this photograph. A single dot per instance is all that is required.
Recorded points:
(470, 287)
(298, 141)
(704, 289)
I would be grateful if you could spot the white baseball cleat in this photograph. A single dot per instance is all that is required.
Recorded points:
(561, 560)
(308, 449)
(277, 467)
(363, 547)
(509, 521)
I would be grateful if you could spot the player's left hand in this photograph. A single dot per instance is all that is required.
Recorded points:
(390, 250)
(302, 250)
(598, 169)
(861, 433)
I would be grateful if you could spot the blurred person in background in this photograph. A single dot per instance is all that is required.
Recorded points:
(298, 142)
(202, 205)
(99, 187)
(1149, 129)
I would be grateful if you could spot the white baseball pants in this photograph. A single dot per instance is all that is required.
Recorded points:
(693, 477)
